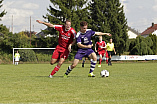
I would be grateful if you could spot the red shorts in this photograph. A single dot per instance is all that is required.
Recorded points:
(60, 52)
(101, 53)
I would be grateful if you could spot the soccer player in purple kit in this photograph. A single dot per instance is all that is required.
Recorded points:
(84, 44)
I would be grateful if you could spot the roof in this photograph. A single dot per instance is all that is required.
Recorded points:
(42, 34)
(133, 30)
(150, 30)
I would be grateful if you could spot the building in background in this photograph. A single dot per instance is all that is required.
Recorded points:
(132, 33)
(150, 30)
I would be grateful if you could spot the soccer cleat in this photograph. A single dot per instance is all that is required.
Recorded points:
(91, 75)
(99, 65)
(65, 76)
(50, 76)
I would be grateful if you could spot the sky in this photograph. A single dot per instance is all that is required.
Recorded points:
(140, 14)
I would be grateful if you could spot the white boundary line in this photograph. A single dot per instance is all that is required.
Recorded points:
(28, 48)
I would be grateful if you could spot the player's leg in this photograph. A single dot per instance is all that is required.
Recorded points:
(109, 60)
(61, 56)
(57, 67)
(74, 64)
(100, 59)
(55, 57)
(83, 62)
(53, 61)
(111, 56)
(78, 57)
(106, 57)
(93, 64)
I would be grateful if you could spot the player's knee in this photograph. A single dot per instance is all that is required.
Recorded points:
(52, 62)
(95, 58)
(73, 66)
(60, 63)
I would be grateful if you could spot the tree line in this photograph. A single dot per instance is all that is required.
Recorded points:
(102, 15)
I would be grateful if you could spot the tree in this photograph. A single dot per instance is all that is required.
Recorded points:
(108, 16)
(98, 10)
(3, 12)
(67, 9)
(3, 29)
(154, 46)
(118, 24)
(142, 46)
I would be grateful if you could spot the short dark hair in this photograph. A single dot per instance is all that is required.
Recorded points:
(67, 21)
(83, 23)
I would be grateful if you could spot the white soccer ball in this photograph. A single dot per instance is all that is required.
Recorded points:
(104, 73)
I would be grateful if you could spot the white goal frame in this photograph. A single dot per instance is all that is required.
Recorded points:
(28, 48)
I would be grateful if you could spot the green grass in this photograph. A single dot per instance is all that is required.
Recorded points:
(128, 83)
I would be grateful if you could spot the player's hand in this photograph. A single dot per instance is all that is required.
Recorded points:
(109, 34)
(39, 21)
(115, 53)
(69, 48)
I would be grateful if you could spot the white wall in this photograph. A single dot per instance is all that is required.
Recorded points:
(155, 32)
(131, 35)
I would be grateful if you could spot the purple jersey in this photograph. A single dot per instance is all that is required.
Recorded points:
(85, 39)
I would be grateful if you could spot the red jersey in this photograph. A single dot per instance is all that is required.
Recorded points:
(66, 37)
(100, 45)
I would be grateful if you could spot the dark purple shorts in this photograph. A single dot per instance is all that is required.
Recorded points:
(85, 53)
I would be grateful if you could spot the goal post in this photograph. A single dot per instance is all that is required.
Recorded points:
(27, 48)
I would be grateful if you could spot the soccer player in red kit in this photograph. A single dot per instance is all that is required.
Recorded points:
(66, 40)
(101, 46)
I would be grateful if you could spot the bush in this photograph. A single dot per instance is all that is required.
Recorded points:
(5, 58)
(43, 57)
(27, 56)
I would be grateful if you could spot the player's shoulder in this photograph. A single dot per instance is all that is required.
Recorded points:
(103, 41)
(78, 34)
(88, 30)
(72, 30)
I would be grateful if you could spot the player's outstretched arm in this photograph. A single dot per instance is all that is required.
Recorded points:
(100, 33)
(47, 24)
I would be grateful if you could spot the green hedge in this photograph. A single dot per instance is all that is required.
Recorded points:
(43, 57)
(27, 56)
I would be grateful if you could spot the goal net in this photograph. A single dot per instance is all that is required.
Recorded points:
(33, 54)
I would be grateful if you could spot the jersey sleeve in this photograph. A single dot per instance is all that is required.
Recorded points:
(78, 40)
(58, 27)
(73, 33)
(92, 33)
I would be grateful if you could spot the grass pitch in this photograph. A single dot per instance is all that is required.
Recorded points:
(128, 83)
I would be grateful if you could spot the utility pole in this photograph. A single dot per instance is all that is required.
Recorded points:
(12, 25)
(30, 30)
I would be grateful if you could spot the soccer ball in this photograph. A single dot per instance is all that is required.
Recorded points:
(104, 73)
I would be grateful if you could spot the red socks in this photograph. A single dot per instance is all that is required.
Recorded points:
(55, 70)
(100, 61)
